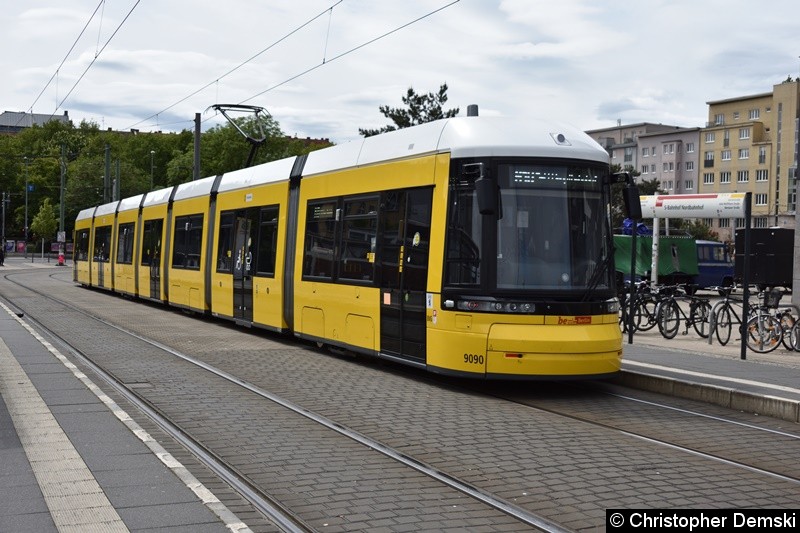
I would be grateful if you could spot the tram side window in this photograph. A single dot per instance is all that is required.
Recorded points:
(267, 241)
(102, 244)
(359, 235)
(151, 242)
(225, 242)
(188, 241)
(82, 245)
(125, 244)
(320, 242)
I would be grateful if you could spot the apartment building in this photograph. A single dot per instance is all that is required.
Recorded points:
(621, 141)
(750, 144)
(672, 158)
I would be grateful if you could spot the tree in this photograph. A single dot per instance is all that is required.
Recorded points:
(45, 222)
(646, 187)
(699, 230)
(421, 108)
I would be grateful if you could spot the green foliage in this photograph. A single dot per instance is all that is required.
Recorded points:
(698, 229)
(420, 108)
(45, 223)
(140, 161)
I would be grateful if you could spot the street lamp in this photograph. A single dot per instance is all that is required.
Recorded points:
(152, 153)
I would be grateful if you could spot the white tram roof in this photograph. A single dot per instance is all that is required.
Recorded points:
(126, 204)
(462, 137)
(271, 172)
(106, 209)
(85, 213)
(158, 197)
(194, 189)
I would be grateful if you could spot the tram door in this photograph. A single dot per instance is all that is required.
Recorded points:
(404, 268)
(151, 254)
(243, 266)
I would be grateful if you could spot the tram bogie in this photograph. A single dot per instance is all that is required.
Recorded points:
(469, 246)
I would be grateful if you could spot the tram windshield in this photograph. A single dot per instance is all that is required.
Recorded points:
(551, 233)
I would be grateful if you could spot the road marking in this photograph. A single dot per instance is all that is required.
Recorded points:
(72, 494)
(12, 379)
(712, 376)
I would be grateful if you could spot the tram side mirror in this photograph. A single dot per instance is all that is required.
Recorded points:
(485, 188)
(630, 195)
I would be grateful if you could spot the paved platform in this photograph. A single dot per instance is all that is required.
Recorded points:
(72, 460)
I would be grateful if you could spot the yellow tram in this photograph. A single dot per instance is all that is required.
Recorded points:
(469, 246)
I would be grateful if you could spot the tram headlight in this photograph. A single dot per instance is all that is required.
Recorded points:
(612, 306)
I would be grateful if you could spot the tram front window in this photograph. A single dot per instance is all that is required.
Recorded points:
(553, 229)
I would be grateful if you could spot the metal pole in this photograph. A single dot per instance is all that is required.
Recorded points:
(3, 244)
(25, 237)
(196, 171)
(152, 153)
(62, 243)
(748, 199)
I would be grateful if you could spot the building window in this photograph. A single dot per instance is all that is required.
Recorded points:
(653, 151)
(689, 148)
(645, 152)
(744, 133)
(665, 167)
(708, 222)
(724, 223)
(762, 155)
(653, 168)
(762, 175)
(744, 153)
(761, 199)
(739, 222)
(755, 114)
(710, 136)
(718, 120)
(688, 185)
(760, 222)
(708, 178)
(724, 177)
(628, 155)
(742, 176)
(689, 166)
(725, 155)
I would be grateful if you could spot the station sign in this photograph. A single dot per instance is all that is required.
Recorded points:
(718, 205)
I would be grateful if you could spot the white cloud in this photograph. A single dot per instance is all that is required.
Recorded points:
(587, 63)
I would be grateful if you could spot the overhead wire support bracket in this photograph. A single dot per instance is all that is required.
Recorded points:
(255, 138)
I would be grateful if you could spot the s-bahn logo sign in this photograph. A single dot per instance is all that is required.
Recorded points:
(722, 205)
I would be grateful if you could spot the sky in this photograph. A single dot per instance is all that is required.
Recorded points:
(322, 68)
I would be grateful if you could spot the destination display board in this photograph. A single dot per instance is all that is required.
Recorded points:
(716, 205)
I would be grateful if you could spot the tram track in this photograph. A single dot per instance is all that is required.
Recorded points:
(498, 499)
(792, 439)
(265, 504)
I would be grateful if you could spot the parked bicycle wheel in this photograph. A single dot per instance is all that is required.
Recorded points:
(794, 336)
(644, 314)
(763, 333)
(723, 324)
(700, 316)
(669, 319)
(787, 323)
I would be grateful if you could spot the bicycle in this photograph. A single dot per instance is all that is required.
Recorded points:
(764, 332)
(725, 315)
(670, 314)
(643, 307)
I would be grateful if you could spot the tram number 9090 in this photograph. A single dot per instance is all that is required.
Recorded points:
(473, 359)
